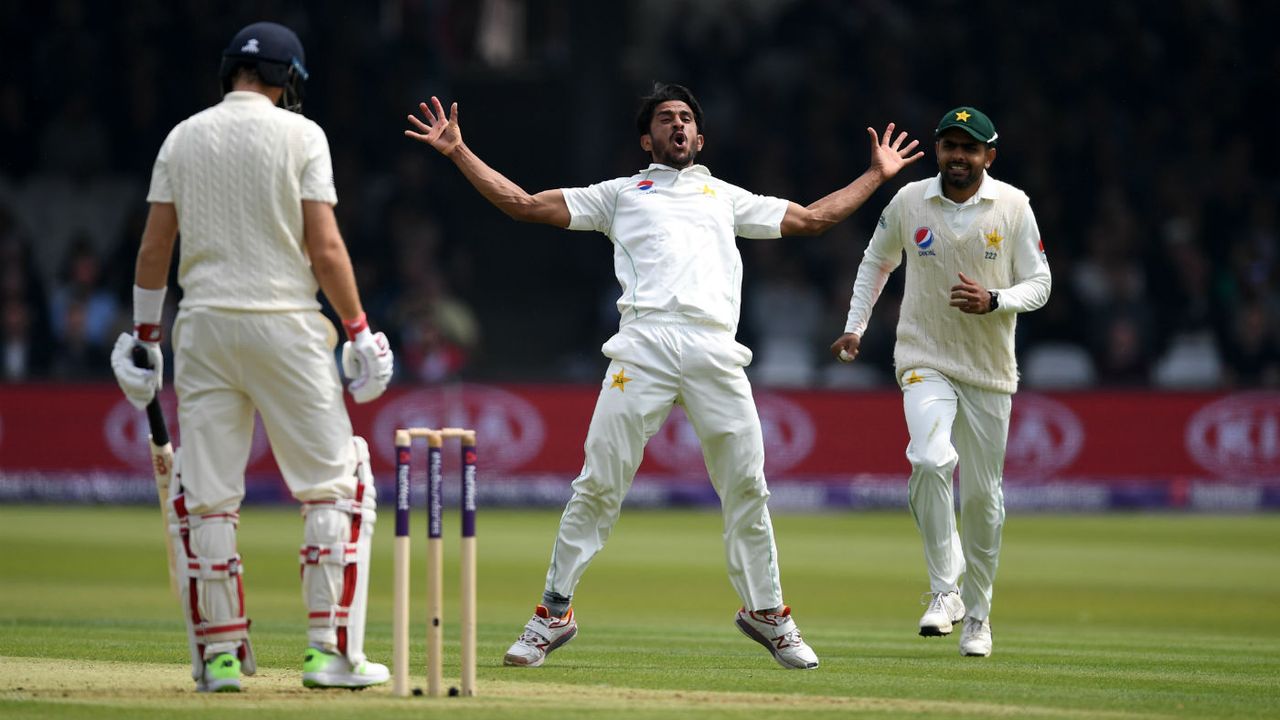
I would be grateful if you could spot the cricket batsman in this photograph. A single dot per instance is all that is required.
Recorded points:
(249, 184)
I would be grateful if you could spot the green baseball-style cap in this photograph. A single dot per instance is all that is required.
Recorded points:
(972, 120)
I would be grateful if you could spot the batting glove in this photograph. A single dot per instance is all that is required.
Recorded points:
(140, 385)
(367, 361)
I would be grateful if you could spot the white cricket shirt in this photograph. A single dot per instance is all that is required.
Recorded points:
(673, 233)
(237, 174)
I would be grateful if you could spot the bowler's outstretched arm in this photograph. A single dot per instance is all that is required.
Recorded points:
(445, 136)
(888, 156)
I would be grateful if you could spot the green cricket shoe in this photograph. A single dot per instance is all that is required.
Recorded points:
(322, 669)
(221, 674)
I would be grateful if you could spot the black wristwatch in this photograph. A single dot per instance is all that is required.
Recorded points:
(995, 301)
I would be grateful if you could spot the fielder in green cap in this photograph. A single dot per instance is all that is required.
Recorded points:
(974, 261)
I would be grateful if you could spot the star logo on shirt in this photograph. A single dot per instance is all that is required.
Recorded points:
(620, 380)
(708, 190)
(913, 378)
(994, 239)
(963, 116)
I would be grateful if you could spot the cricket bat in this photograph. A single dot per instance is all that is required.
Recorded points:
(161, 466)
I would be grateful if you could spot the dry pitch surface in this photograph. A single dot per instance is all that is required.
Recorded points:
(168, 688)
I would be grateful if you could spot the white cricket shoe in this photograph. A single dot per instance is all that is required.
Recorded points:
(975, 637)
(944, 610)
(543, 633)
(780, 636)
(322, 669)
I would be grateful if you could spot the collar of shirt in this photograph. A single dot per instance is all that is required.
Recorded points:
(246, 96)
(691, 169)
(986, 191)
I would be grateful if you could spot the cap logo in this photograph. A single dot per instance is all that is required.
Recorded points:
(963, 116)
(251, 46)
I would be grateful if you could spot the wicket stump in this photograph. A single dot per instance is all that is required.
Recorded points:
(435, 558)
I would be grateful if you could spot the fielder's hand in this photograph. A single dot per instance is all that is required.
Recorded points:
(140, 385)
(970, 297)
(367, 361)
(845, 348)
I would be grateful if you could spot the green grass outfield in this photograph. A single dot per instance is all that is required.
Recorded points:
(1126, 616)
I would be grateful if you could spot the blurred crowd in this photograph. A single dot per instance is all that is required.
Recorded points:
(1136, 128)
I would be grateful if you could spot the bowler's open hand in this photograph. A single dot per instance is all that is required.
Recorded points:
(888, 156)
(438, 132)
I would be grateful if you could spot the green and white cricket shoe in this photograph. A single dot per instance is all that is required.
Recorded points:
(322, 669)
(975, 637)
(945, 609)
(221, 674)
(778, 633)
(542, 634)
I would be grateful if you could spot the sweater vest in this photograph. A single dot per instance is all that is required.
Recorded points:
(975, 349)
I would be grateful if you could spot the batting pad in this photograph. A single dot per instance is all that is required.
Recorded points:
(335, 563)
(211, 582)
(214, 566)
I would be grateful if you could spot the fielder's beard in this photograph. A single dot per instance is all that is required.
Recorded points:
(960, 183)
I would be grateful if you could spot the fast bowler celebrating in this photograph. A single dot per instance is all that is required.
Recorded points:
(673, 227)
(250, 186)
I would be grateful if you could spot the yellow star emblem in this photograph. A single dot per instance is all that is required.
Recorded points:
(913, 378)
(620, 380)
(708, 190)
(963, 116)
(994, 239)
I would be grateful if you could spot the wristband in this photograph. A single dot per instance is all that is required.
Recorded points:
(148, 306)
(146, 332)
(355, 325)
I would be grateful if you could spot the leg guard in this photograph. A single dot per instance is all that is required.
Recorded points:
(335, 563)
(211, 582)
(179, 532)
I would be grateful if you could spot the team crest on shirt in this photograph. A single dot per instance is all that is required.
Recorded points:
(993, 245)
(645, 186)
(924, 242)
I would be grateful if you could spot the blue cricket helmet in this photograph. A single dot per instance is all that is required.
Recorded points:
(275, 52)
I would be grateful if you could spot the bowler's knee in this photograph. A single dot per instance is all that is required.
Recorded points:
(592, 490)
(938, 463)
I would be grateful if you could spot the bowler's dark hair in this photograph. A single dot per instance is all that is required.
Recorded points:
(662, 92)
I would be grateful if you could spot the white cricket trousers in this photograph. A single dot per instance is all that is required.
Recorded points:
(949, 422)
(656, 365)
(226, 364)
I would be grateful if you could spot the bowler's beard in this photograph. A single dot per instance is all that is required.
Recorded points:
(671, 156)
